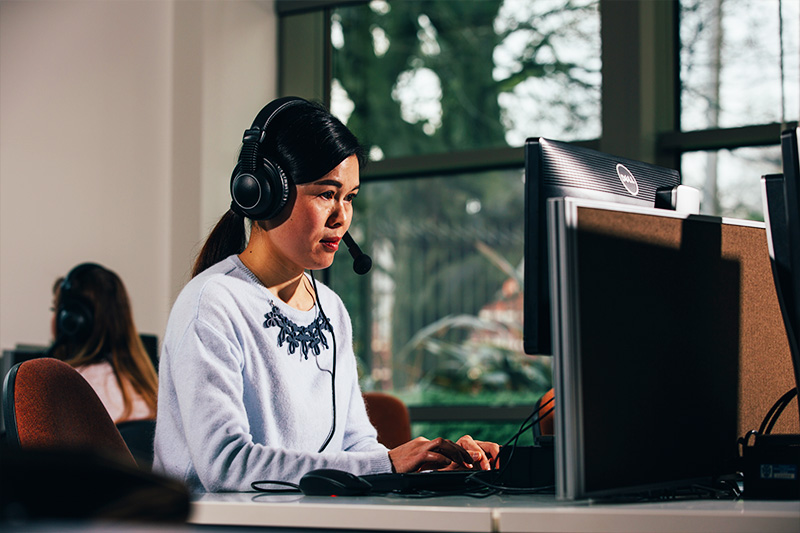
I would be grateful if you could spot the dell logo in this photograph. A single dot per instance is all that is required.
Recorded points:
(627, 179)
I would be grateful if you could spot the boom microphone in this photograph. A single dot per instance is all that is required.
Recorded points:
(361, 261)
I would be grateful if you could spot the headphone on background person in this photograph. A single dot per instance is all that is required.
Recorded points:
(259, 187)
(74, 314)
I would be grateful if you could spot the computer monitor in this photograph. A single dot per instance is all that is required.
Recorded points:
(661, 319)
(781, 194)
(791, 175)
(9, 358)
(557, 169)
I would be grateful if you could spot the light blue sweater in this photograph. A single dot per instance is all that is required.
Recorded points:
(244, 397)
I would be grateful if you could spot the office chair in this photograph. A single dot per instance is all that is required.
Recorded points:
(544, 426)
(47, 404)
(58, 431)
(390, 417)
(139, 436)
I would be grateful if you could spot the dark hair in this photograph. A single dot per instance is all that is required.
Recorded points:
(114, 337)
(306, 141)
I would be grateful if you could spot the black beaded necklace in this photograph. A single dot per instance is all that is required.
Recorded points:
(307, 338)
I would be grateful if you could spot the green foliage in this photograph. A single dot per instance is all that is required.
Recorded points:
(473, 365)
(469, 54)
(453, 39)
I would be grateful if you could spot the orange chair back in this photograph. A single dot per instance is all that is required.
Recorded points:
(546, 420)
(390, 417)
(47, 404)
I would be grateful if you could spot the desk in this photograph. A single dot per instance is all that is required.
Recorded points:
(495, 514)
(451, 513)
(696, 516)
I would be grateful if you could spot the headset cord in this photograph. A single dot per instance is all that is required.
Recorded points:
(333, 367)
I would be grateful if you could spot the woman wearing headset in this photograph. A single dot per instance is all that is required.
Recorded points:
(258, 375)
(94, 332)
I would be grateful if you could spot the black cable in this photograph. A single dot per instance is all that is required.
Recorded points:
(527, 424)
(524, 428)
(333, 366)
(292, 487)
(775, 411)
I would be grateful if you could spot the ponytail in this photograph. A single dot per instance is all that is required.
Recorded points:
(227, 238)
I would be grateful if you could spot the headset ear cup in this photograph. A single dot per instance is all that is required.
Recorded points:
(75, 314)
(246, 191)
(74, 320)
(281, 187)
(261, 194)
(259, 187)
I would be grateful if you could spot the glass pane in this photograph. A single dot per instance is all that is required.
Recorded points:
(731, 62)
(439, 318)
(417, 77)
(730, 180)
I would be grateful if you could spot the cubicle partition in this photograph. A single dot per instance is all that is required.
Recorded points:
(670, 345)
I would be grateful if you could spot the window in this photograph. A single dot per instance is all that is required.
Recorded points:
(443, 319)
(740, 66)
(730, 179)
(444, 94)
(739, 63)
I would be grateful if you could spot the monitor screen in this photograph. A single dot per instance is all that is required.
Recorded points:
(556, 169)
(791, 174)
(781, 195)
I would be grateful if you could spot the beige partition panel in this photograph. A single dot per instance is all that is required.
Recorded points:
(765, 364)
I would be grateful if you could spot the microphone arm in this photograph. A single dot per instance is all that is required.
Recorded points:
(361, 261)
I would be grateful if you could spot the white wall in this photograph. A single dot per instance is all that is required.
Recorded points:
(120, 123)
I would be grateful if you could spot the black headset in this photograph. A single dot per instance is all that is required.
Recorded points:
(74, 315)
(259, 187)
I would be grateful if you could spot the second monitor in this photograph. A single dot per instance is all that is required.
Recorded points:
(556, 169)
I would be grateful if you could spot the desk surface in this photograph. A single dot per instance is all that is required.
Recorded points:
(520, 514)
(456, 513)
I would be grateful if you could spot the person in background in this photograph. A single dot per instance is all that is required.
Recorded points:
(258, 375)
(94, 332)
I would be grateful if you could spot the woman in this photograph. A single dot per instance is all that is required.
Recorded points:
(258, 375)
(94, 332)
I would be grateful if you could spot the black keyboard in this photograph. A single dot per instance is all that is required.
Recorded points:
(447, 481)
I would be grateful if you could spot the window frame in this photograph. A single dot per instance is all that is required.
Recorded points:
(640, 107)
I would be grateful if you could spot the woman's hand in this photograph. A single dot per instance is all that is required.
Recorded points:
(486, 454)
(424, 454)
